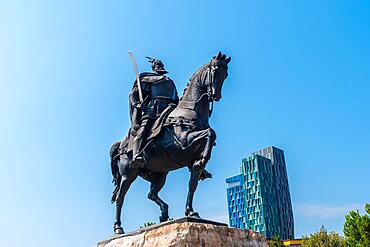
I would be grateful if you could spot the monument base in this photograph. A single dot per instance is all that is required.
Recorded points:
(185, 232)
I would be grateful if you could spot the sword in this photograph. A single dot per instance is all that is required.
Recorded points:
(137, 75)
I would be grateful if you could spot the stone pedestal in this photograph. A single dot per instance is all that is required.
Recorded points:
(186, 232)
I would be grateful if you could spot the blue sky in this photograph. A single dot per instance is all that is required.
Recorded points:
(299, 79)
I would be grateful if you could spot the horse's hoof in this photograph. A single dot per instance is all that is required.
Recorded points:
(187, 212)
(194, 215)
(163, 218)
(118, 230)
(191, 213)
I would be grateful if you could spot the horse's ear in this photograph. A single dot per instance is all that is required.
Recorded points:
(218, 55)
(228, 60)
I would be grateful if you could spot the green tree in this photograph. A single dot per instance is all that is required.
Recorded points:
(357, 228)
(147, 224)
(275, 241)
(323, 239)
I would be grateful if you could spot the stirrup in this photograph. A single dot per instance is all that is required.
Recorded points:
(138, 162)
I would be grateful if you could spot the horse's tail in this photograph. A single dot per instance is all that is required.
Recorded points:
(114, 154)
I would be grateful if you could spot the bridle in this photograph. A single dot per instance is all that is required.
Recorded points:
(209, 93)
(210, 89)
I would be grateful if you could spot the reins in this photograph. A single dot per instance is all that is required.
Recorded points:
(210, 89)
(191, 104)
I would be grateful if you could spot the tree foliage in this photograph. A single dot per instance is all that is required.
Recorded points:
(357, 228)
(275, 241)
(323, 239)
(147, 224)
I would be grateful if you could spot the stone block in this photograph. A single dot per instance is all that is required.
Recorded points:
(186, 232)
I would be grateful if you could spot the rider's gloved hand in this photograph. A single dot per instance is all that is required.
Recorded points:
(134, 129)
(138, 105)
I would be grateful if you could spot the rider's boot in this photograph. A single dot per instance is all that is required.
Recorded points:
(137, 158)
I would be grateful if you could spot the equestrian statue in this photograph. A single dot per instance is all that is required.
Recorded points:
(167, 133)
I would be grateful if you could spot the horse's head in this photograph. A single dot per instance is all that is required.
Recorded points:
(208, 80)
(218, 73)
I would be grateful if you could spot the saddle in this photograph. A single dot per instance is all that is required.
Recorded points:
(156, 129)
(160, 122)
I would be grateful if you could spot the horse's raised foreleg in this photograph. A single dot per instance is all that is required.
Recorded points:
(206, 153)
(157, 182)
(128, 176)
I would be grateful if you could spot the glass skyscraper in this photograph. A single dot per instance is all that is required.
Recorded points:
(236, 200)
(259, 198)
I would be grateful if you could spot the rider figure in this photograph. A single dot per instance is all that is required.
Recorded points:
(158, 91)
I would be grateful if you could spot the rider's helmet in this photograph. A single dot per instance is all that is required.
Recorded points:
(157, 66)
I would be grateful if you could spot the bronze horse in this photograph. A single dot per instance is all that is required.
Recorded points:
(186, 140)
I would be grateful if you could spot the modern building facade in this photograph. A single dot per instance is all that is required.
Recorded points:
(236, 200)
(266, 204)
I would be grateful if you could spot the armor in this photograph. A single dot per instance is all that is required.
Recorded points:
(164, 89)
(158, 92)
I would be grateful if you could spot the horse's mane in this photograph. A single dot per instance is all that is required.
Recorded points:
(196, 73)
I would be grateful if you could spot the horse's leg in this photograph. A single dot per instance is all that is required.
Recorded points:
(128, 176)
(198, 167)
(193, 183)
(206, 154)
(157, 182)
